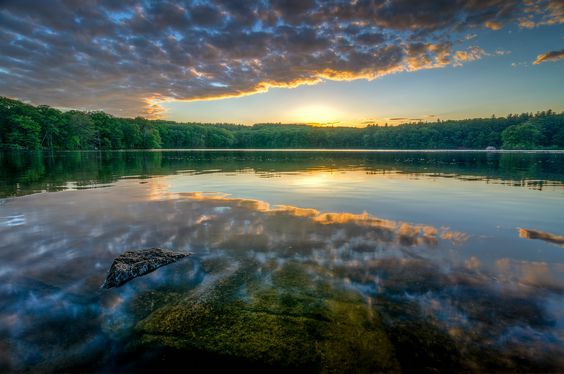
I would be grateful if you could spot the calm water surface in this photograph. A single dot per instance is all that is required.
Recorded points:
(317, 261)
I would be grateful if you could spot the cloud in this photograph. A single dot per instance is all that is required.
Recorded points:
(519, 64)
(549, 56)
(473, 53)
(542, 13)
(129, 57)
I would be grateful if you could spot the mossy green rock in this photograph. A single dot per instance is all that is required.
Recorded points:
(280, 317)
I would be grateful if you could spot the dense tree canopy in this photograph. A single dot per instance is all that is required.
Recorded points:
(23, 126)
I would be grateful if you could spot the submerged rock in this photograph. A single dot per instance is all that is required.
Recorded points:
(269, 318)
(133, 264)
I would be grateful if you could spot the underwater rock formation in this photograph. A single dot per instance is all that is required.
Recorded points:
(133, 264)
(272, 317)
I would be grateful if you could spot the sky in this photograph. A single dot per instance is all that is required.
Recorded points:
(333, 62)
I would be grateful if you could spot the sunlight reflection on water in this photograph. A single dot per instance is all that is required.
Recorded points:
(264, 262)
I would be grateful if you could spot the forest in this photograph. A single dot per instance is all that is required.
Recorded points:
(27, 127)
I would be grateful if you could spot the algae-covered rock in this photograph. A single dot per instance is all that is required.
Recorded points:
(286, 317)
(133, 264)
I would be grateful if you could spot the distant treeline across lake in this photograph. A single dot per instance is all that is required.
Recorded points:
(28, 127)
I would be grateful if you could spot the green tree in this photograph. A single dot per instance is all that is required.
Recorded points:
(523, 136)
(131, 134)
(52, 122)
(98, 130)
(23, 132)
(80, 131)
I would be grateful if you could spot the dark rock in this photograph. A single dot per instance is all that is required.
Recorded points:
(133, 264)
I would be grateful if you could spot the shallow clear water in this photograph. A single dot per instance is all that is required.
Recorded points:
(366, 261)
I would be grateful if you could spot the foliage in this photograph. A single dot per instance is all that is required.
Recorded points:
(523, 136)
(22, 132)
(23, 126)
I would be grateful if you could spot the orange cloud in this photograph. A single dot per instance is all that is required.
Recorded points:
(550, 56)
(421, 56)
(473, 53)
(154, 105)
(542, 13)
(154, 55)
(493, 25)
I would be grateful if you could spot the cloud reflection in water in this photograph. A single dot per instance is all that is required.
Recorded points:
(54, 263)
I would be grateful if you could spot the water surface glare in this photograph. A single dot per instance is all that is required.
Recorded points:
(317, 261)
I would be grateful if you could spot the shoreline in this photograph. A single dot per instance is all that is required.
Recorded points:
(338, 150)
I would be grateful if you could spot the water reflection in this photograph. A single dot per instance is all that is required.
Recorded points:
(542, 235)
(23, 173)
(272, 285)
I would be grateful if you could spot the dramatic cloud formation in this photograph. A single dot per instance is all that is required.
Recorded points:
(550, 56)
(128, 57)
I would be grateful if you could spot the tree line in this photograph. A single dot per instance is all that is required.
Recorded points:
(28, 127)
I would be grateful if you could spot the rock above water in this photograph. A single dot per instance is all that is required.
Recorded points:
(133, 264)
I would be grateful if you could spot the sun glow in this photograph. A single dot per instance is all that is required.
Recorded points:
(317, 180)
(316, 114)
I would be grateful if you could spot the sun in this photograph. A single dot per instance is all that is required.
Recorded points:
(316, 113)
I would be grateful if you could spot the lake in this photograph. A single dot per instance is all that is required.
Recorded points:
(305, 260)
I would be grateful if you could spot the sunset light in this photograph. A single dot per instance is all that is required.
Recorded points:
(281, 186)
(316, 114)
